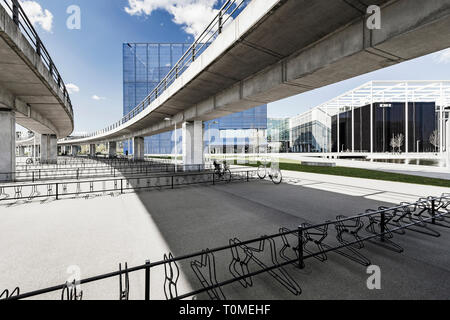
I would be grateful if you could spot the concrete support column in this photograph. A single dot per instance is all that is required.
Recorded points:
(7, 145)
(112, 148)
(49, 149)
(138, 148)
(92, 150)
(193, 144)
(21, 151)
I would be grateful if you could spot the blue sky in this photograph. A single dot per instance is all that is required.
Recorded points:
(91, 58)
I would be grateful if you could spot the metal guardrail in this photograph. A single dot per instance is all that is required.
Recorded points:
(349, 235)
(230, 10)
(20, 18)
(59, 190)
(81, 172)
(84, 162)
(87, 163)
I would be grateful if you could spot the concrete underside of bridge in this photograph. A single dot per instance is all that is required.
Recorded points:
(28, 91)
(27, 87)
(277, 49)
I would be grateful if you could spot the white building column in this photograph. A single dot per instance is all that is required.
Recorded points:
(112, 148)
(406, 119)
(92, 150)
(49, 149)
(353, 121)
(7, 145)
(138, 148)
(193, 144)
(448, 142)
(371, 119)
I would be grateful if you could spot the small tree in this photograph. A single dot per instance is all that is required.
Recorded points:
(393, 143)
(400, 141)
(434, 140)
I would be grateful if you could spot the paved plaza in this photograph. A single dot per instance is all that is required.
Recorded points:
(41, 239)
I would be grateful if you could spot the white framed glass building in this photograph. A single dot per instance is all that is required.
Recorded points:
(366, 118)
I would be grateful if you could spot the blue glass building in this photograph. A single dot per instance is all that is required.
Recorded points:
(145, 65)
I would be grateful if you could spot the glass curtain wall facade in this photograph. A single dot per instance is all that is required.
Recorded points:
(278, 134)
(310, 132)
(389, 121)
(144, 66)
(242, 132)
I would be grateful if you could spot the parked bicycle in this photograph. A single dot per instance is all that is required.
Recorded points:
(274, 173)
(222, 172)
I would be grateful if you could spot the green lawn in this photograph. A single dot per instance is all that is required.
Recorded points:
(364, 173)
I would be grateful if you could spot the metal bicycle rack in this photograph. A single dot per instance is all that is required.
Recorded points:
(344, 236)
(86, 188)
(70, 292)
(5, 295)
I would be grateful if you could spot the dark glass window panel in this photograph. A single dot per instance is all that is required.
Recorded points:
(334, 147)
(358, 129)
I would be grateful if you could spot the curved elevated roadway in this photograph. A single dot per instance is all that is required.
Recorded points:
(275, 49)
(32, 92)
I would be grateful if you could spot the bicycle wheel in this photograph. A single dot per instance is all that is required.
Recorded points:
(29, 161)
(277, 177)
(227, 175)
(262, 173)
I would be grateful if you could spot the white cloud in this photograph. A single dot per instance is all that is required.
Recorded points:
(37, 15)
(193, 15)
(72, 88)
(97, 98)
(443, 56)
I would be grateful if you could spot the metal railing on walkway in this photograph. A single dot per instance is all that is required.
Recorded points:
(345, 236)
(87, 162)
(230, 10)
(16, 12)
(60, 190)
(126, 170)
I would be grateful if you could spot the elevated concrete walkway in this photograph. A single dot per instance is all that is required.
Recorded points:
(28, 87)
(278, 48)
(32, 92)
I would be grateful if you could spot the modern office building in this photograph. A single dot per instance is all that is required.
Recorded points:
(379, 116)
(145, 65)
(278, 136)
(310, 131)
